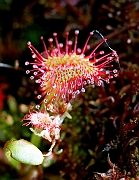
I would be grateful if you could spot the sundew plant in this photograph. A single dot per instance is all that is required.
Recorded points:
(62, 71)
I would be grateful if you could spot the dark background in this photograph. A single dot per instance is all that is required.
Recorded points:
(97, 123)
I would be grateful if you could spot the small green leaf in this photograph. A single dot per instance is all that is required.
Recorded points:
(23, 151)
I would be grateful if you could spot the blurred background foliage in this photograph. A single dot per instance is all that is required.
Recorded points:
(101, 140)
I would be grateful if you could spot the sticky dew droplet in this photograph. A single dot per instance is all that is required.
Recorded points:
(63, 96)
(79, 84)
(33, 55)
(31, 77)
(54, 86)
(27, 71)
(48, 93)
(39, 96)
(101, 52)
(55, 94)
(26, 63)
(77, 92)
(99, 83)
(37, 106)
(53, 99)
(35, 73)
(38, 81)
(43, 77)
(69, 91)
(45, 100)
(115, 71)
(92, 82)
(35, 66)
(42, 85)
(109, 58)
(83, 90)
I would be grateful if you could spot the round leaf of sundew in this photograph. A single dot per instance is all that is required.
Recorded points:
(23, 151)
